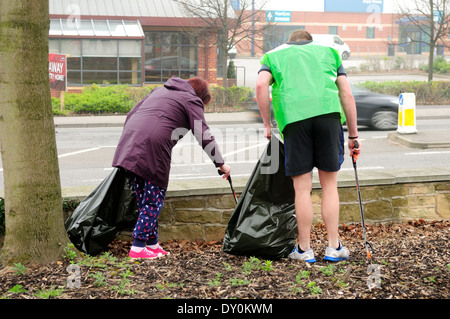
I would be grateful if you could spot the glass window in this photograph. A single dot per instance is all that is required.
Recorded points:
(100, 63)
(170, 38)
(98, 77)
(55, 27)
(132, 28)
(338, 40)
(130, 78)
(86, 28)
(100, 60)
(170, 54)
(53, 46)
(117, 28)
(189, 59)
(370, 32)
(333, 30)
(71, 46)
(130, 64)
(73, 63)
(130, 48)
(102, 48)
(73, 77)
(275, 35)
(101, 28)
(70, 26)
(188, 39)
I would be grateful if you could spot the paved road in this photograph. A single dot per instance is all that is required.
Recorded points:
(85, 154)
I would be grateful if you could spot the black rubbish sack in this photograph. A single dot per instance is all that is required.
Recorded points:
(263, 223)
(103, 214)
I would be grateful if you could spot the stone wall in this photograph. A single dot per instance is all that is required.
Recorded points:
(193, 217)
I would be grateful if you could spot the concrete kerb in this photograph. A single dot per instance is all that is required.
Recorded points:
(218, 186)
(119, 120)
(422, 140)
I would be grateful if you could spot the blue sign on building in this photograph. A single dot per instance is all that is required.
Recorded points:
(354, 5)
(278, 16)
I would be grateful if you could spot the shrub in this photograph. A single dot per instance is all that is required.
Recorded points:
(440, 65)
(122, 98)
(96, 99)
(231, 70)
(434, 93)
(235, 96)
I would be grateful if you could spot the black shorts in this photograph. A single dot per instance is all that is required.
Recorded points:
(314, 142)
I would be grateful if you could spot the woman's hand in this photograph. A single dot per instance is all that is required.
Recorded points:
(226, 170)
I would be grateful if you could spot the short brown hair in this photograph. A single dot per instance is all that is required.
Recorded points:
(201, 88)
(300, 35)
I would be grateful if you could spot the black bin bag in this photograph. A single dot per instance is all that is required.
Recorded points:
(263, 223)
(103, 214)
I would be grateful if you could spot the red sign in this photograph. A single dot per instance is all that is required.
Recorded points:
(57, 71)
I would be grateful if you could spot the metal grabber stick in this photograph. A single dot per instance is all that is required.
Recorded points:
(366, 243)
(231, 184)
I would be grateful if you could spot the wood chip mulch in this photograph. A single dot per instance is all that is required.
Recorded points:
(409, 261)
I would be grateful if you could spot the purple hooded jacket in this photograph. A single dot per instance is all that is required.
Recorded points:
(154, 126)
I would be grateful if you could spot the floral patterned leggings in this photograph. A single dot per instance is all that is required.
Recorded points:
(150, 200)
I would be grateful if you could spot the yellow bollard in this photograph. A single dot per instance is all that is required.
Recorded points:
(407, 113)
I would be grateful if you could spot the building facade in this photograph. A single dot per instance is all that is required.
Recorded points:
(138, 42)
(368, 27)
(130, 42)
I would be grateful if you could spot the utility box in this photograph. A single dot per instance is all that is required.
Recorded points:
(407, 113)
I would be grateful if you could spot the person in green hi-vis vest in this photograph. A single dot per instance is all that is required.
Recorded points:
(311, 100)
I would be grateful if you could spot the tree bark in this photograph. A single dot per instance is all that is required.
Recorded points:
(35, 230)
(432, 43)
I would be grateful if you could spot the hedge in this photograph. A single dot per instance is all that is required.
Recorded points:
(433, 93)
(121, 99)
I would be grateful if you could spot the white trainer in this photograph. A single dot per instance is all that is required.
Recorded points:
(307, 255)
(332, 254)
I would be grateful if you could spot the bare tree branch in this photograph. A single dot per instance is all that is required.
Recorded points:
(431, 18)
(232, 26)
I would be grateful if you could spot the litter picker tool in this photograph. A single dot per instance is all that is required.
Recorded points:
(366, 243)
(231, 184)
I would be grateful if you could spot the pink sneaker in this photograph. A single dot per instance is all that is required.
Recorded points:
(144, 253)
(158, 251)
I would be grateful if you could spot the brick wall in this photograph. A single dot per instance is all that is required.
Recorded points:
(351, 27)
(207, 59)
(206, 217)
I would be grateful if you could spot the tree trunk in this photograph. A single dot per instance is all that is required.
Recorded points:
(224, 43)
(432, 43)
(224, 66)
(430, 62)
(35, 230)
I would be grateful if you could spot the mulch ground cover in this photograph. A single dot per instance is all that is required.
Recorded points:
(410, 261)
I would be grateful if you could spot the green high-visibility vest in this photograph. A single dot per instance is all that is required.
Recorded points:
(304, 82)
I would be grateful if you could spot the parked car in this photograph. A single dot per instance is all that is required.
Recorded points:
(335, 42)
(378, 111)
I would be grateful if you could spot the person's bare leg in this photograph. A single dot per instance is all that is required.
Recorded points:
(330, 206)
(303, 209)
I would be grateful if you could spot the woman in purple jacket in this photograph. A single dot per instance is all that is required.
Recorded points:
(151, 130)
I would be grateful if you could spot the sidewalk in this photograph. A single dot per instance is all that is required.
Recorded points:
(119, 120)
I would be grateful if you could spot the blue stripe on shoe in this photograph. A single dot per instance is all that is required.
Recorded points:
(328, 258)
